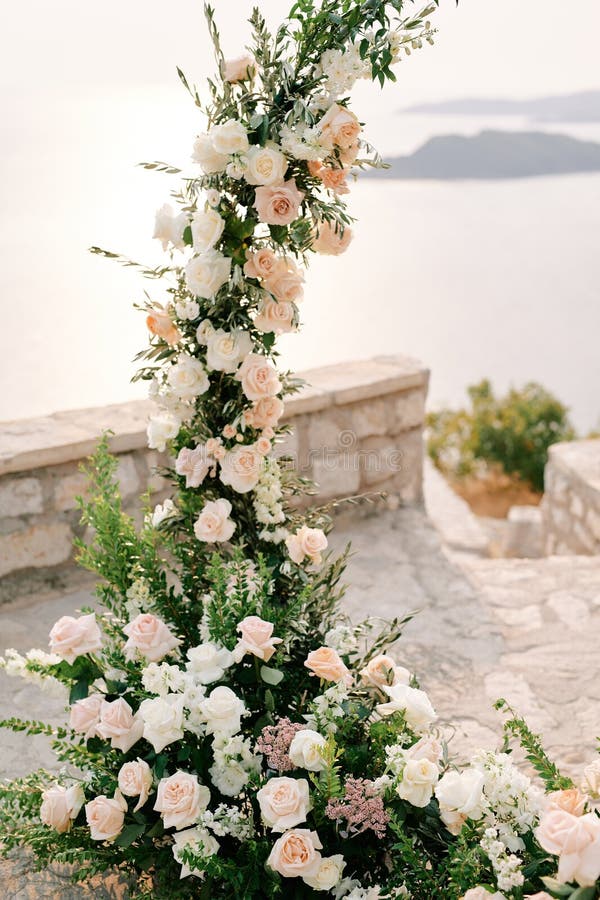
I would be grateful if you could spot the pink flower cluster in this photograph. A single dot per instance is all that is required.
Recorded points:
(274, 741)
(361, 807)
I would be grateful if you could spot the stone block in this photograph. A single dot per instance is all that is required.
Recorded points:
(36, 547)
(369, 418)
(380, 458)
(593, 523)
(576, 506)
(67, 489)
(409, 411)
(336, 474)
(127, 476)
(20, 497)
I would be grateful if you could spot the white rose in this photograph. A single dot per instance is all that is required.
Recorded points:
(188, 310)
(163, 511)
(204, 331)
(222, 710)
(241, 68)
(591, 780)
(328, 875)
(415, 704)
(187, 377)
(200, 841)
(169, 228)
(460, 795)
(213, 524)
(208, 662)
(418, 778)
(284, 802)
(265, 165)
(306, 750)
(162, 427)
(207, 273)
(480, 893)
(213, 197)
(229, 137)
(241, 468)
(207, 157)
(163, 720)
(207, 228)
(226, 349)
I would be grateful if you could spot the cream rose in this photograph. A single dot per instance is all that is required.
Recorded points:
(261, 263)
(135, 780)
(591, 780)
(222, 710)
(162, 427)
(306, 543)
(267, 412)
(213, 525)
(382, 670)
(240, 68)
(159, 323)
(265, 165)
(163, 720)
(169, 228)
(339, 127)
(119, 725)
(187, 377)
(150, 637)
(180, 799)
(259, 377)
(296, 853)
(204, 331)
(85, 715)
(426, 748)
(415, 704)
(230, 137)
(278, 204)
(208, 662)
(330, 240)
(275, 316)
(328, 875)
(226, 349)
(284, 802)
(60, 806)
(572, 801)
(418, 779)
(70, 637)
(207, 157)
(306, 750)
(105, 817)
(256, 638)
(206, 273)
(576, 842)
(241, 468)
(460, 796)
(207, 228)
(194, 464)
(327, 664)
(198, 839)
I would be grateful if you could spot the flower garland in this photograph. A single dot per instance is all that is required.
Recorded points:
(230, 734)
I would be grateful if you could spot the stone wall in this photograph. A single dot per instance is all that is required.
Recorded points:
(571, 504)
(357, 428)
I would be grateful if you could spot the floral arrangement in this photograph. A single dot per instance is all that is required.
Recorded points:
(230, 734)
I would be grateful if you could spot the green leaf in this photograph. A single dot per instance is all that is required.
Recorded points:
(558, 888)
(187, 236)
(270, 676)
(129, 834)
(79, 690)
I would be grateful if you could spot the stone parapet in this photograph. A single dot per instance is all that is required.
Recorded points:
(357, 427)
(571, 504)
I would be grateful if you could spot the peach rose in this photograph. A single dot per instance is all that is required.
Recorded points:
(241, 468)
(330, 240)
(85, 715)
(261, 263)
(259, 377)
(135, 780)
(326, 663)
(306, 542)
(240, 68)
(60, 806)
(267, 412)
(333, 178)
(118, 724)
(383, 670)
(213, 524)
(572, 801)
(286, 284)
(70, 638)
(275, 316)
(339, 127)
(348, 154)
(576, 842)
(105, 816)
(278, 204)
(180, 800)
(296, 853)
(160, 324)
(150, 637)
(257, 638)
(284, 802)
(263, 445)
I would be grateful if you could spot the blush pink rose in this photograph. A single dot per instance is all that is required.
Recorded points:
(267, 412)
(213, 524)
(263, 445)
(240, 68)
(180, 800)
(572, 801)
(339, 127)
(278, 204)
(241, 468)
(256, 638)
(150, 637)
(85, 715)
(576, 842)
(258, 377)
(275, 316)
(261, 263)
(306, 542)
(284, 802)
(160, 324)
(331, 241)
(327, 664)
(286, 284)
(72, 637)
(119, 725)
(60, 806)
(382, 670)
(105, 817)
(296, 853)
(135, 780)
(194, 464)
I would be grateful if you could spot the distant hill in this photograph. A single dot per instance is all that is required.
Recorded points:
(581, 107)
(495, 154)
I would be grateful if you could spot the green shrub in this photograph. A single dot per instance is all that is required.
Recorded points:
(514, 431)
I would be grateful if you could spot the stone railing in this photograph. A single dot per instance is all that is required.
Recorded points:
(571, 504)
(357, 427)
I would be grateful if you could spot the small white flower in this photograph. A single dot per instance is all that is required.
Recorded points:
(163, 511)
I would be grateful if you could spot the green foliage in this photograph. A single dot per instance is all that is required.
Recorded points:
(514, 431)
(516, 727)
